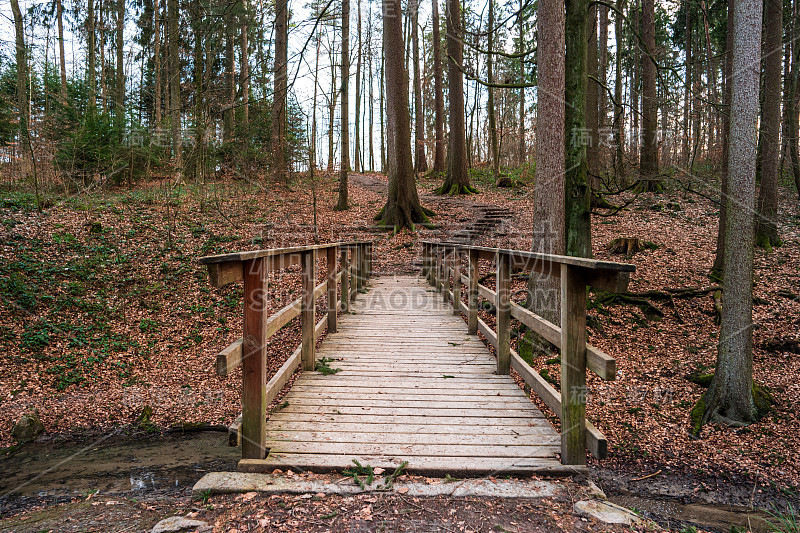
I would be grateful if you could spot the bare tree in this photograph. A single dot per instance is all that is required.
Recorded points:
(279, 119)
(648, 162)
(438, 94)
(420, 163)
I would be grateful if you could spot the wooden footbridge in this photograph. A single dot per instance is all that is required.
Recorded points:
(401, 375)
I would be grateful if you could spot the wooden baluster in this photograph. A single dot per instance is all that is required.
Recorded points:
(503, 305)
(364, 265)
(353, 273)
(332, 286)
(345, 261)
(573, 366)
(425, 273)
(254, 360)
(308, 351)
(438, 270)
(446, 261)
(456, 282)
(472, 316)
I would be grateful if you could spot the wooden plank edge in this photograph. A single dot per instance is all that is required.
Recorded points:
(229, 358)
(596, 442)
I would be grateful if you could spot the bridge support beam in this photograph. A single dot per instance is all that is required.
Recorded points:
(472, 300)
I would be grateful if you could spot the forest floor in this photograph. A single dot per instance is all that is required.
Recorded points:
(105, 310)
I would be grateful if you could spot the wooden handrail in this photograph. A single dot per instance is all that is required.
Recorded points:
(253, 268)
(441, 261)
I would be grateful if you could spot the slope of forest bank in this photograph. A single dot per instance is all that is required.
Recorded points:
(105, 311)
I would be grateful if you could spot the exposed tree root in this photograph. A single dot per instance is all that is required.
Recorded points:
(454, 189)
(710, 407)
(395, 217)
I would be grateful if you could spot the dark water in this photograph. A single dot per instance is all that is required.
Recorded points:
(713, 517)
(57, 472)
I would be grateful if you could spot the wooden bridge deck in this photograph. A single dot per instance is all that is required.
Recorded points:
(413, 386)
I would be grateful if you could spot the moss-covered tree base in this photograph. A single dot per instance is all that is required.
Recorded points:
(649, 185)
(395, 217)
(702, 412)
(454, 189)
(768, 242)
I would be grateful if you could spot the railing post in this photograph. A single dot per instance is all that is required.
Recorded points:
(364, 266)
(353, 272)
(254, 360)
(332, 286)
(456, 282)
(447, 260)
(425, 264)
(472, 300)
(438, 270)
(345, 261)
(308, 350)
(573, 367)
(503, 306)
(369, 260)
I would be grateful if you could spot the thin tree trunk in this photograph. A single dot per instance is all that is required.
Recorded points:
(91, 47)
(157, 61)
(381, 108)
(22, 87)
(420, 163)
(687, 89)
(332, 113)
(244, 74)
(119, 108)
(312, 163)
(229, 117)
(619, 111)
(522, 151)
(439, 162)
(279, 119)
(62, 62)
(490, 111)
(357, 137)
(602, 75)
(343, 202)
(175, 88)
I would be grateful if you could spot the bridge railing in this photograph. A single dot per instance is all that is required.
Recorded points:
(442, 266)
(250, 351)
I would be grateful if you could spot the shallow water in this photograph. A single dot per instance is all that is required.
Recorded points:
(711, 517)
(112, 465)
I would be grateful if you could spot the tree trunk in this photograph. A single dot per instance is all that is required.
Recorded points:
(229, 115)
(402, 209)
(357, 152)
(332, 113)
(382, 108)
(343, 202)
(490, 96)
(244, 75)
(767, 226)
(592, 103)
(157, 60)
(729, 398)
(719, 257)
(312, 160)
(175, 87)
(687, 88)
(648, 162)
(439, 162)
(90, 52)
(619, 113)
(549, 231)
(420, 163)
(577, 193)
(22, 87)
(62, 62)
(199, 118)
(602, 75)
(457, 179)
(371, 93)
(119, 108)
(279, 160)
(522, 151)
